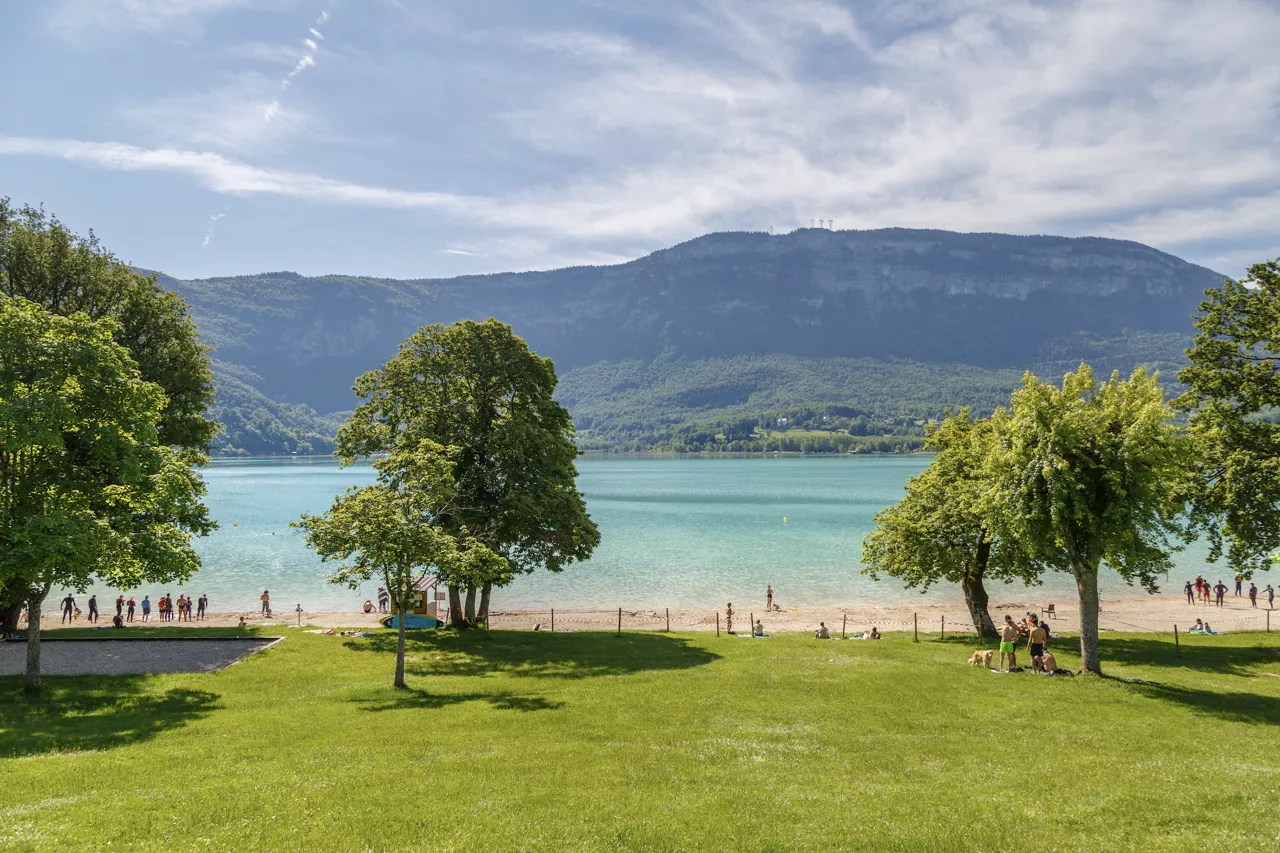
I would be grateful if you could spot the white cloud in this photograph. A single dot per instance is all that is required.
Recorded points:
(76, 18)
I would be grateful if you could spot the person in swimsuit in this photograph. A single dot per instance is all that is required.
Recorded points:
(1253, 595)
(266, 603)
(1190, 593)
(1219, 590)
(93, 608)
(69, 606)
(728, 618)
(1008, 636)
(132, 606)
(1036, 643)
(1048, 663)
(146, 608)
(822, 633)
(768, 597)
(759, 629)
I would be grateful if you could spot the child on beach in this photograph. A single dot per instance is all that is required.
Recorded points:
(266, 604)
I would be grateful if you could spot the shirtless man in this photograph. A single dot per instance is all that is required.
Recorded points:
(822, 633)
(1036, 639)
(1008, 636)
(1048, 663)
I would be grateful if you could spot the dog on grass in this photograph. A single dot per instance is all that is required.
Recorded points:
(982, 658)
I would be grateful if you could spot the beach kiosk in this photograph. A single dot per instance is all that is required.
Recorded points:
(425, 610)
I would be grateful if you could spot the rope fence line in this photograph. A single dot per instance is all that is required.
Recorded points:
(663, 620)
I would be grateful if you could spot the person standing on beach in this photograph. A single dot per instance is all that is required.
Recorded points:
(120, 606)
(1271, 597)
(1220, 589)
(93, 608)
(131, 605)
(1253, 595)
(1008, 636)
(1037, 638)
(768, 598)
(68, 607)
(168, 606)
(1239, 582)
(383, 599)
(1190, 598)
(728, 618)
(202, 606)
(266, 603)
(146, 608)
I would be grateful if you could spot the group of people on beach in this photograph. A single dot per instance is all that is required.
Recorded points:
(1036, 632)
(166, 608)
(1201, 591)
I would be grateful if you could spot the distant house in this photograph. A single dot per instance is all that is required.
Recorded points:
(782, 421)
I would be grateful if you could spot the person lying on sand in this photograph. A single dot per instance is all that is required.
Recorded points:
(368, 607)
(822, 633)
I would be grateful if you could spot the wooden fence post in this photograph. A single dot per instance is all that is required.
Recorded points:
(844, 623)
(944, 627)
(668, 620)
(619, 621)
(717, 623)
(1177, 649)
(915, 619)
(553, 620)
(752, 624)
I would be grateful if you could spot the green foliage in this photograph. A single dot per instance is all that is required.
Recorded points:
(388, 530)
(86, 487)
(254, 425)
(516, 740)
(42, 261)
(477, 389)
(1234, 391)
(1089, 473)
(939, 530)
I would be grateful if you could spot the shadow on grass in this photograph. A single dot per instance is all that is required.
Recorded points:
(1233, 707)
(1160, 651)
(92, 713)
(422, 700)
(537, 654)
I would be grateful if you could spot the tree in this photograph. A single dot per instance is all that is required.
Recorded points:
(1088, 474)
(477, 388)
(388, 530)
(42, 261)
(939, 530)
(86, 487)
(1233, 392)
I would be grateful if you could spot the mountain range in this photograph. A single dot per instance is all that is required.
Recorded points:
(892, 326)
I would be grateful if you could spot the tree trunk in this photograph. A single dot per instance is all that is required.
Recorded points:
(471, 605)
(455, 607)
(1087, 584)
(404, 617)
(34, 603)
(975, 597)
(483, 615)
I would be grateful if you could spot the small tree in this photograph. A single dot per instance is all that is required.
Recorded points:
(388, 530)
(1088, 474)
(477, 388)
(939, 530)
(1233, 390)
(85, 488)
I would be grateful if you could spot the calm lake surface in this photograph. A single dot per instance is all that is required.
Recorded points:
(676, 532)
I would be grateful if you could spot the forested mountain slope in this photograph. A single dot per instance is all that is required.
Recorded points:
(827, 311)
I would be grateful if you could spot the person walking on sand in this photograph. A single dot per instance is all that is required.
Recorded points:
(768, 598)
(1271, 597)
(266, 603)
(1219, 590)
(1253, 595)
(68, 607)
(93, 609)
(1190, 597)
(1008, 636)
(130, 607)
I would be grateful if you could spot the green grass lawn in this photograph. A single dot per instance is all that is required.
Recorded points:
(524, 741)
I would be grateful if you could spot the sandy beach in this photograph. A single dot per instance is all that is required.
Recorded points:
(1150, 614)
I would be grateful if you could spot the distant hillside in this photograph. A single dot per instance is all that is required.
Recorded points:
(846, 307)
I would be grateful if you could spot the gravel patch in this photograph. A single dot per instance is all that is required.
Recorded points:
(130, 657)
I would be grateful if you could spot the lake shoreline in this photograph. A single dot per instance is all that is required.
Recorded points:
(1156, 614)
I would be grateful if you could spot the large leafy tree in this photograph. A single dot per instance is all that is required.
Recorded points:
(388, 530)
(1086, 474)
(44, 262)
(478, 389)
(87, 488)
(939, 532)
(1233, 390)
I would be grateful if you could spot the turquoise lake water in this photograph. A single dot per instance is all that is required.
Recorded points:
(676, 532)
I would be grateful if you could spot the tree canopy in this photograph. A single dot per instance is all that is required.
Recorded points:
(86, 486)
(940, 530)
(1233, 390)
(478, 389)
(1090, 473)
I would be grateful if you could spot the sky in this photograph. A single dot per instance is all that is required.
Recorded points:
(425, 138)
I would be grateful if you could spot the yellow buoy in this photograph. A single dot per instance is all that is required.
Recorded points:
(784, 519)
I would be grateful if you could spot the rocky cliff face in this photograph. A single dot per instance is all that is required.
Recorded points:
(933, 296)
